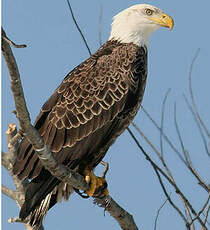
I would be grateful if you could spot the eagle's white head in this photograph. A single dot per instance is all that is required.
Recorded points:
(135, 24)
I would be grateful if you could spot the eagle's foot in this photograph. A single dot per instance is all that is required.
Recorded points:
(98, 185)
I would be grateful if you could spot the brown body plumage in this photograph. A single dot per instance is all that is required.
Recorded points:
(93, 105)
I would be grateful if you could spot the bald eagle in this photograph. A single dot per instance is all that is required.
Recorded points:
(92, 106)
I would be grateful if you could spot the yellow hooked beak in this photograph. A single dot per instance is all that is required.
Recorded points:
(163, 20)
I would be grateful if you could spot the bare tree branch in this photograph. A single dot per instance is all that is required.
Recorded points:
(171, 181)
(78, 28)
(164, 135)
(163, 163)
(154, 149)
(169, 199)
(202, 209)
(100, 25)
(19, 194)
(188, 213)
(187, 159)
(206, 215)
(157, 170)
(124, 219)
(12, 43)
(162, 121)
(8, 160)
(192, 95)
(46, 157)
(158, 212)
(198, 125)
(32, 134)
(189, 165)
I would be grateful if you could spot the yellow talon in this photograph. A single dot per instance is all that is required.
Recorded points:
(98, 185)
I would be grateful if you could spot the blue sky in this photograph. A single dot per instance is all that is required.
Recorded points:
(55, 47)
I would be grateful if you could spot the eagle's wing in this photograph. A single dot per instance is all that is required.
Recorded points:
(91, 96)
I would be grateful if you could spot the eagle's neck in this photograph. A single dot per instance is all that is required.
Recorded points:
(137, 38)
(134, 31)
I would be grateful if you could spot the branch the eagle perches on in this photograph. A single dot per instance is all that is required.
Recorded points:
(60, 171)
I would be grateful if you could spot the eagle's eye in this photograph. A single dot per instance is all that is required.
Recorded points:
(149, 12)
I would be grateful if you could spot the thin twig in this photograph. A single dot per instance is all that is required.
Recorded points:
(206, 215)
(188, 213)
(154, 149)
(78, 28)
(158, 212)
(15, 219)
(169, 199)
(202, 209)
(162, 121)
(189, 164)
(15, 82)
(100, 25)
(187, 156)
(164, 135)
(192, 95)
(12, 43)
(187, 210)
(198, 125)
(187, 159)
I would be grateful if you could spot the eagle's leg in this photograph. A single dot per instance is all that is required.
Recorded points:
(98, 185)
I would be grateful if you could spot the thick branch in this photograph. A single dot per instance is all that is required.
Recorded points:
(46, 157)
(22, 112)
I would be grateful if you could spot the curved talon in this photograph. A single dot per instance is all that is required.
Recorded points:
(98, 185)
